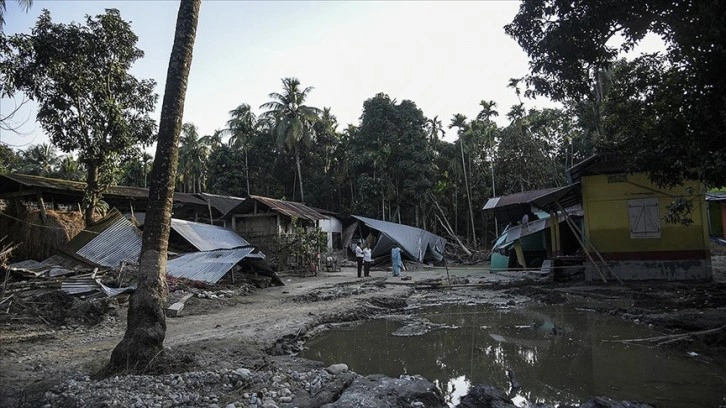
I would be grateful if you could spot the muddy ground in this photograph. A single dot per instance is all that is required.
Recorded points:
(252, 333)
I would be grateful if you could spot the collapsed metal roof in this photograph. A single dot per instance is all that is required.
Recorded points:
(416, 244)
(522, 230)
(204, 237)
(208, 266)
(514, 206)
(108, 242)
(223, 204)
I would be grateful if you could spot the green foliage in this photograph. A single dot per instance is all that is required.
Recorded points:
(392, 160)
(291, 120)
(135, 171)
(88, 102)
(24, 4)
(193, 153)
(8, 159)
(665, 112)
(304, 244)
(227, 172)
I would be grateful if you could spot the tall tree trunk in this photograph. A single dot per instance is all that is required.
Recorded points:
(146, 326)
(247, 171)
(299, 175)
(468, 194)
(91, 192)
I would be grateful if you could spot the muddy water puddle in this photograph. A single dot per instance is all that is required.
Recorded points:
(557, 354)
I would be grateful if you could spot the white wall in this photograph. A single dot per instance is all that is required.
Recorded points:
(329, 226)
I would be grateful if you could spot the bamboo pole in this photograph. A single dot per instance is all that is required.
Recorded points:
(579, 231)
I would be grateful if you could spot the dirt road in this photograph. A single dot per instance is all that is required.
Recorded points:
(243, 331)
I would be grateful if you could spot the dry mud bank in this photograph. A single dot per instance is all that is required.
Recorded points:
(236, 349)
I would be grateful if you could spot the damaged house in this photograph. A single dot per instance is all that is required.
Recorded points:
(416, 245)
(113, 242)
(263, 219)
(622, 234)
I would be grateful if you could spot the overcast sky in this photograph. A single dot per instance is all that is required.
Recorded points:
(444, 56)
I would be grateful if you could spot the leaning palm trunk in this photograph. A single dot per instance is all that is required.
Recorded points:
(146, 329)
(247, 172)
(468, 193)
(299, 174)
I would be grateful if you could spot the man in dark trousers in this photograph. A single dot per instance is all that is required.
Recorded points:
(359, 258)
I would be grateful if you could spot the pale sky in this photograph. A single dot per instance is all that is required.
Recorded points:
(444, 56)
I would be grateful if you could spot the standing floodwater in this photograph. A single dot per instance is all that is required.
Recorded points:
(557, 354)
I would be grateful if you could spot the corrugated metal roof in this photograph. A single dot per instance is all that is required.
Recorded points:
(716, 196)
(208, 266)
(223, 204)
(58, 185)
(514, 206)
(417, 244)
(290, 208)
(525, 197)
(119, 242)
(206, 237)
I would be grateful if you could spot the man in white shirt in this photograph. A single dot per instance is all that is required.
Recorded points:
(367, 261)
(359, 257)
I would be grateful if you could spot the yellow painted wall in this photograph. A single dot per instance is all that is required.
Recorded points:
(606, 215)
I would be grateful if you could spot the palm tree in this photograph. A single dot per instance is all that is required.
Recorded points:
(293, 120)
(459, 121)
(242, 126)
(39, 160)
(24, 4)
(146, 324)
(214, 140)
(488, 110)
(193, 154)
(435, 128)
(70, 169)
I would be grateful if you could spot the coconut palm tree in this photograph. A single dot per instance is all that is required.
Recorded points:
(146, 324)
(242, 125)
(459, 122)
(214, 140)
(293, 120)
(193, 154)
(39, 160)
(70, 169)
(24, 4)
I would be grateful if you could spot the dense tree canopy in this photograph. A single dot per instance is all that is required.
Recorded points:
(88, 102)
(664, 113)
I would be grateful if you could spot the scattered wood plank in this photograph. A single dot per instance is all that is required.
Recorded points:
(176, 308)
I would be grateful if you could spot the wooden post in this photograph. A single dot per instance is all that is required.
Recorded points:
(41, 207)
(133, 218)
(209, 206)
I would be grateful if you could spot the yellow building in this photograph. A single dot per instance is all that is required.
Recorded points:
(623, 219)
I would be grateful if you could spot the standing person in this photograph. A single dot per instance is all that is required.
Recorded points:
(367, 260)
(359, 257)
(396, 260)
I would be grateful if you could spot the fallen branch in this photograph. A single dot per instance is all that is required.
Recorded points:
(447, 226)
(671, 337)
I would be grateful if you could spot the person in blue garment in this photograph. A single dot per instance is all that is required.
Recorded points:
(396, 262)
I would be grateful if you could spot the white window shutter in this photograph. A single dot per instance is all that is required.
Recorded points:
(644, 218)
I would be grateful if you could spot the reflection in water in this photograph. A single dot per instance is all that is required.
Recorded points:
(556, 353)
